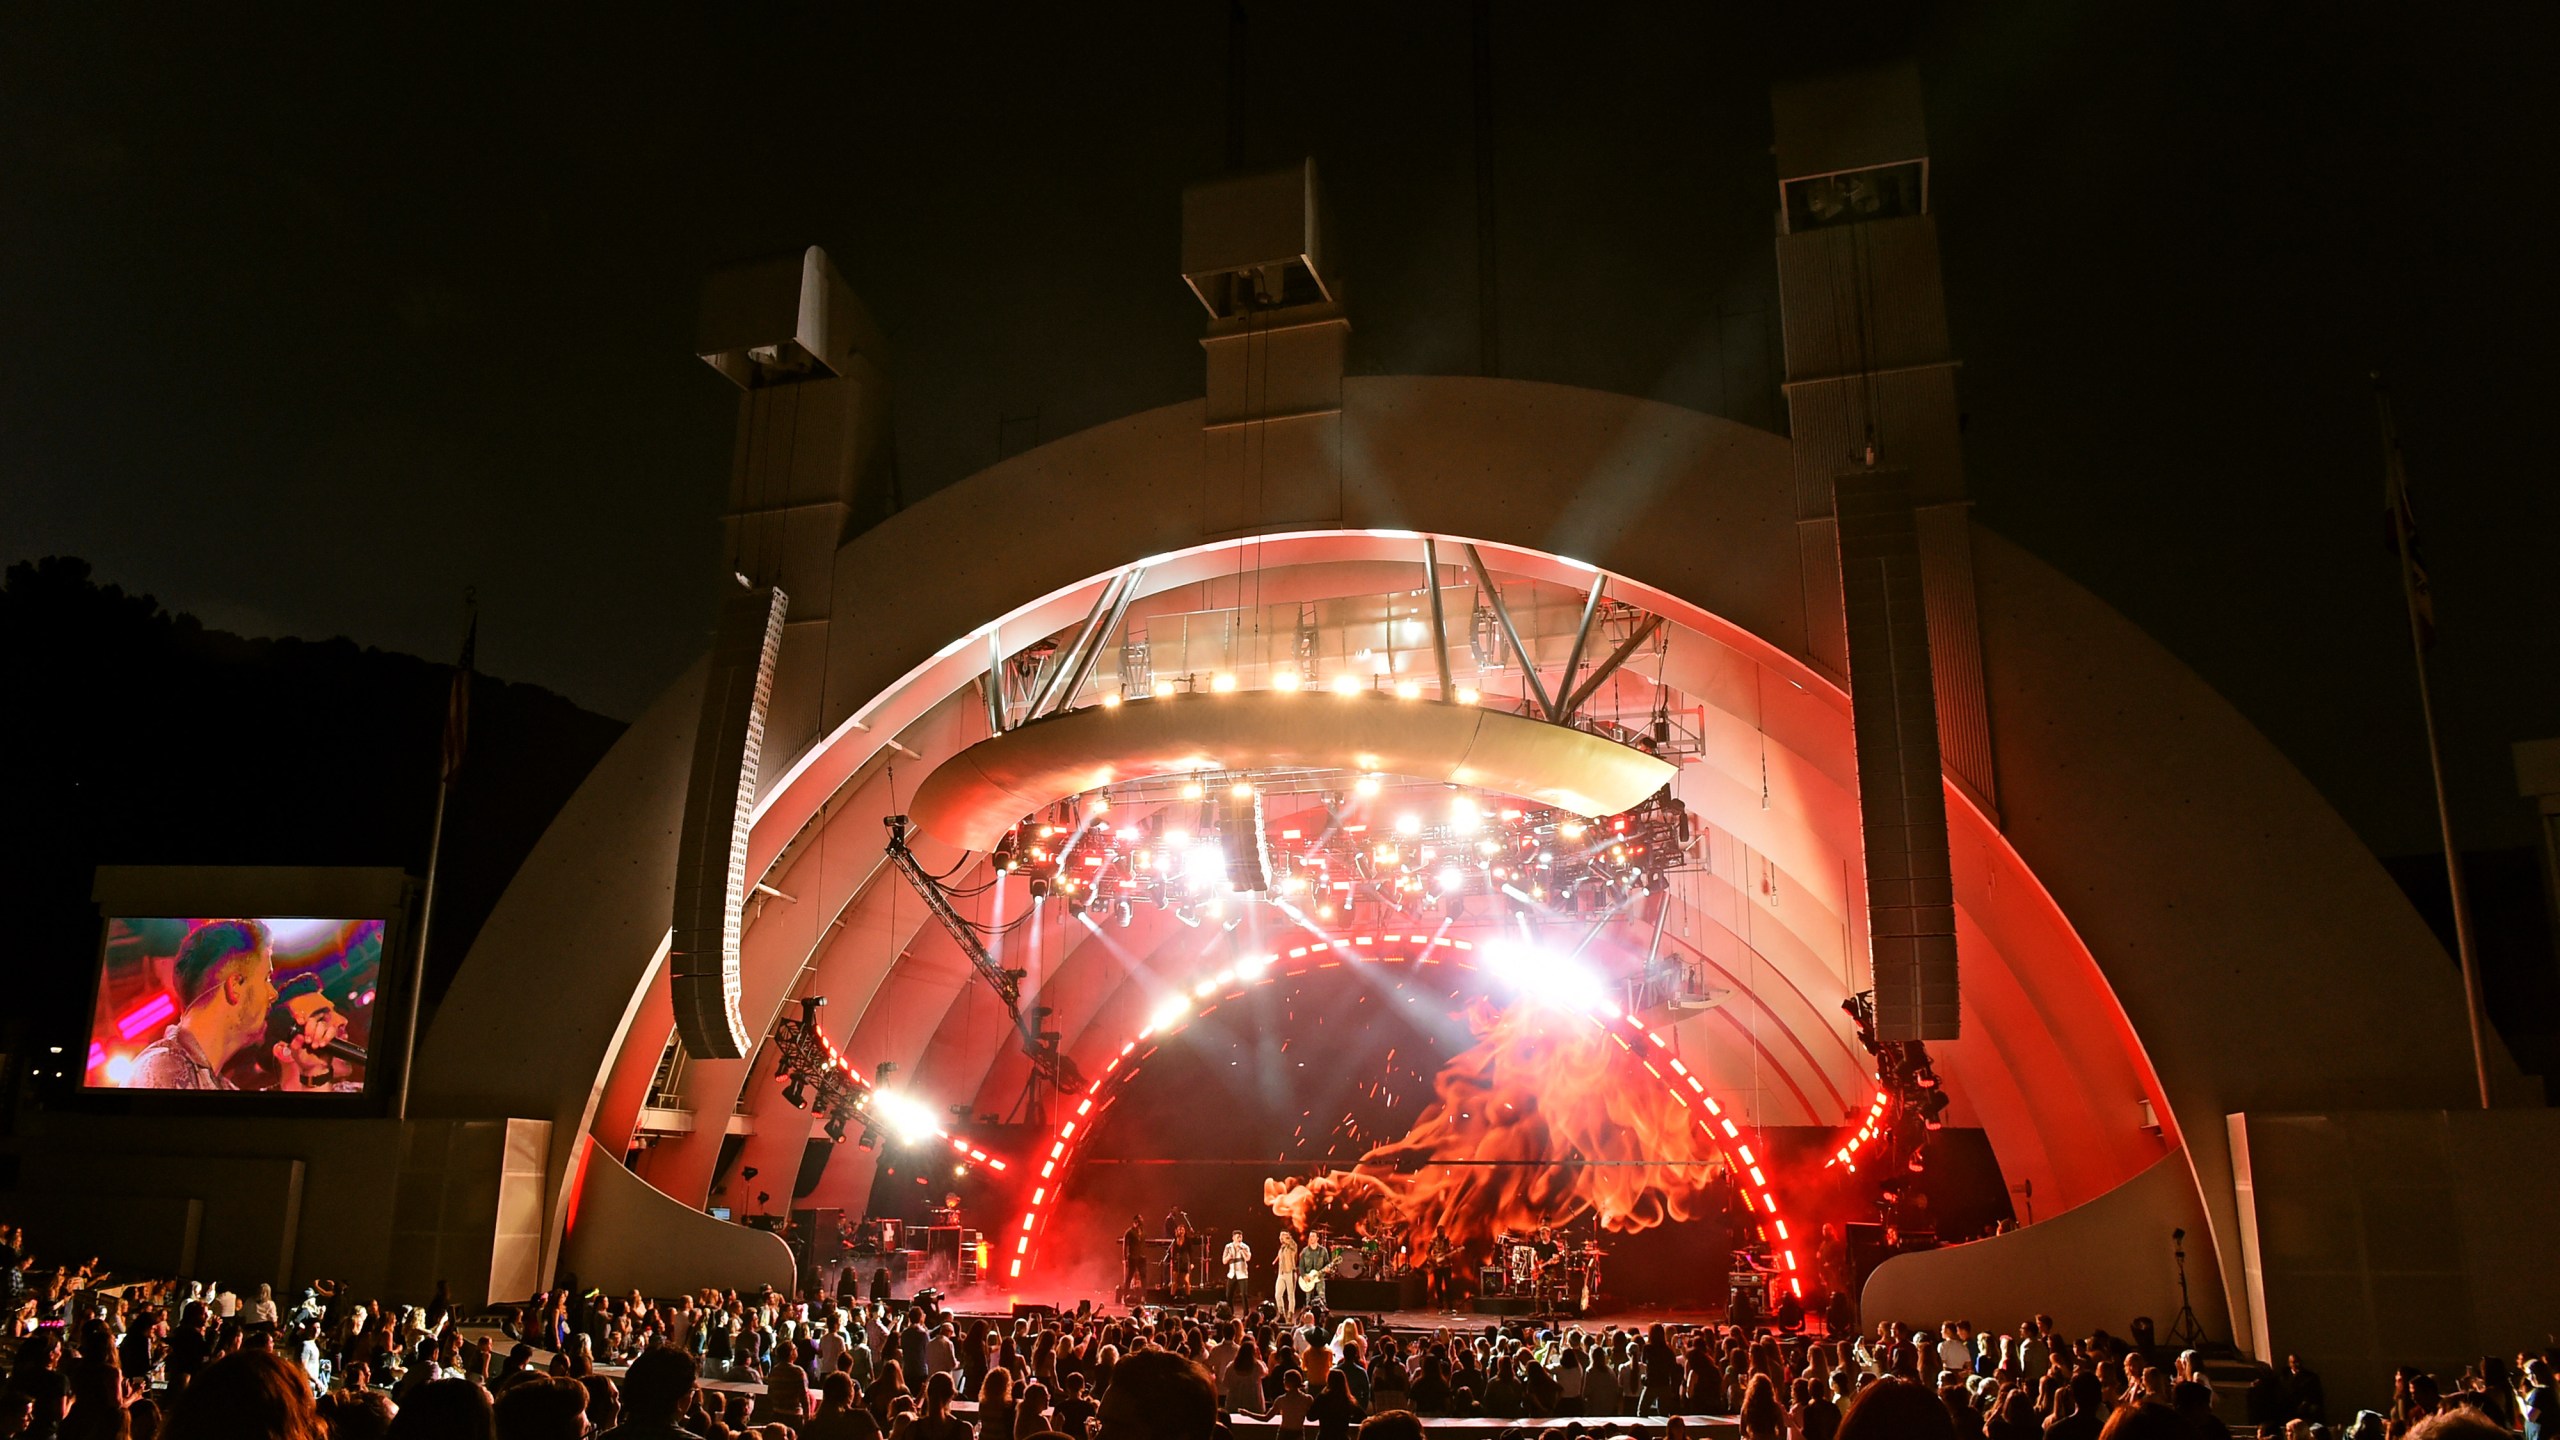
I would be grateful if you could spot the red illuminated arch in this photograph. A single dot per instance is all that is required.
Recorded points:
(1631, 1033)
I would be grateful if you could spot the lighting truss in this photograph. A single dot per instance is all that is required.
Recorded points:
(1357, 856)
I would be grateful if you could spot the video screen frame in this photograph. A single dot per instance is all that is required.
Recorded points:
(308, 915)
(269, 1004)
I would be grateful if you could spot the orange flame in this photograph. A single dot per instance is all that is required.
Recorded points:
(1544, 1120)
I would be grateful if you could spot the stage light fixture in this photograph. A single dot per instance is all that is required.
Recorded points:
(1170, 1011)
(1161, 689)
(1543, 978)
(1192, 789)
(1346, 683)
(1100, 805)
(1452, 880)
(1464, 818)
(1286, 680)
(1408, 689)
(795, 1094)
(1467, 695)
(1408, 823)
(1242, 790)
(1204, 862)
(907, 1117)
(1366, 787)
(1222, 682)
(1325, 911)
(1111, 699)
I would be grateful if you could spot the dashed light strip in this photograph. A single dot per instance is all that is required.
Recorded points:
(959, 1147)
(1176, 1011)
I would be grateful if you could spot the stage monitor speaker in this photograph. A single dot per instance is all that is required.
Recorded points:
(1022, 1311)
(820, 1231)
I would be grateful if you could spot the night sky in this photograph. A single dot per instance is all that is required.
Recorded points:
(314, 316)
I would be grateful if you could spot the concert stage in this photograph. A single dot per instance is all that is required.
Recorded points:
(1422, 808)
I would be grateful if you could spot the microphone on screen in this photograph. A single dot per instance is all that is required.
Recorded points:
(345, 1050)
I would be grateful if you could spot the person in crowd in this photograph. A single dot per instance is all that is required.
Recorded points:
(248, 1395)
(1762, 1417)
(995, 1405)
(934, 1420)
(840, 1416)
(1336, 1410)
(654, 1393)
(359, 1414)
(1895, 1408)
(785, 1399)
(445, 1409)
(1075, 1404)
(37, 1375)
(1289, 1407)
(1392, 1425)
(1159, 1395)
(544, 1408)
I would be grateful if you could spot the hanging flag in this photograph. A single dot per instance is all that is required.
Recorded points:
(2400, 534)
(457, 710)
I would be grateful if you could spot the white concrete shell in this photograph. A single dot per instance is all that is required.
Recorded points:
(2164, 909)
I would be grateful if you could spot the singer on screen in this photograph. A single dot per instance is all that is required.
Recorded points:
(225, 978)
(307, 1046)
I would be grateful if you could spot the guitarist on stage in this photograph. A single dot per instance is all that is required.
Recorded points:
(1315, 1261)
(1437, 1262)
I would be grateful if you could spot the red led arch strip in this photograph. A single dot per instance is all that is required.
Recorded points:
(844, 1067)
(1629, 1031)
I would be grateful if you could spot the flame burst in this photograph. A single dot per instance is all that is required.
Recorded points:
(1494, 1152)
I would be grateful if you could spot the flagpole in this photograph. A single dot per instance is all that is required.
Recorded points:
(418, 972)
(446, 765)
(2465, 950)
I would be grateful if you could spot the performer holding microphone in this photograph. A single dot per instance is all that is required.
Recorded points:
(307, 1036)
(1239, 1258)
(1284, 1290)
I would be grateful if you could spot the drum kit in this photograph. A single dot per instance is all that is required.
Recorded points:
(1560, 1277)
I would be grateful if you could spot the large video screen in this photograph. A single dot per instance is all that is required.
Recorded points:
(235, 1003)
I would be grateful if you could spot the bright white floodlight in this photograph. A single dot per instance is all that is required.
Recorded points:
(1547, 979)
(907, 1117)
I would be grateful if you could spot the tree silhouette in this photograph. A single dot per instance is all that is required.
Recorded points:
(129, 735)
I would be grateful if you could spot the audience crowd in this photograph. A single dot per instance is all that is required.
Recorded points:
(196, 1362)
